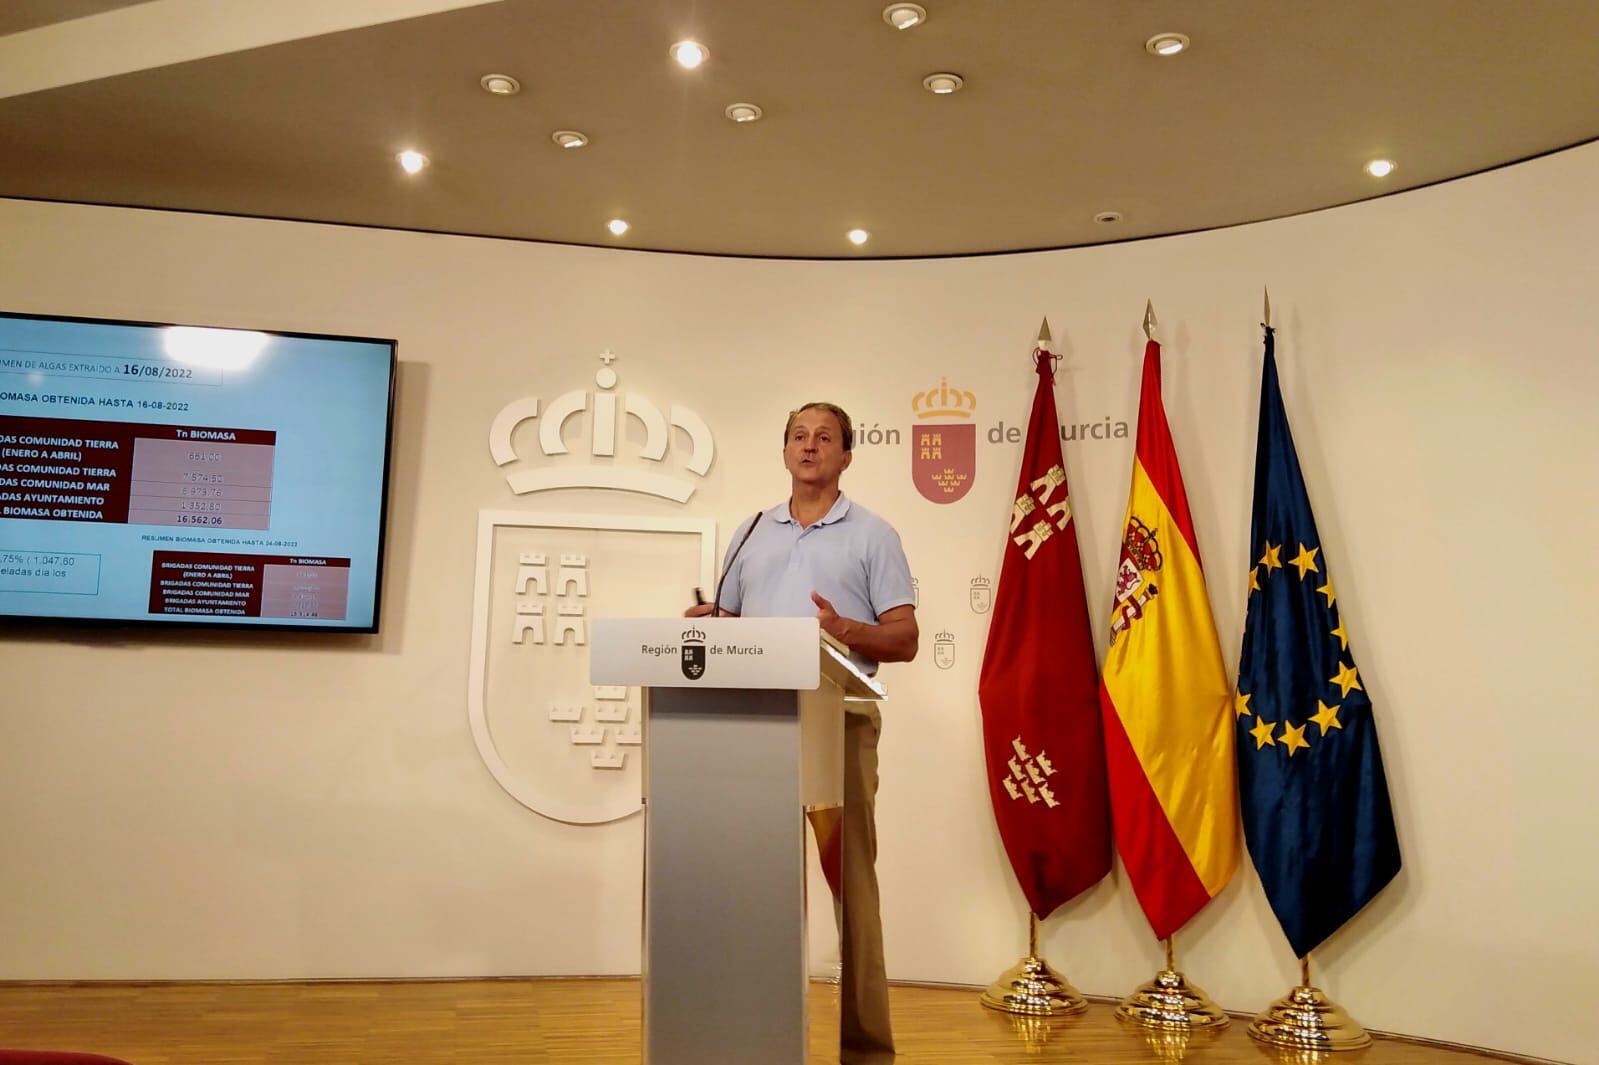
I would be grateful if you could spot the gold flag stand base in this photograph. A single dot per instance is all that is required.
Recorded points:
(1306, 1019)
(1170, 1002)
(1031, 988)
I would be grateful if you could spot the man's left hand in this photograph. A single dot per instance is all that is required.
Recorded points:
(828, 619)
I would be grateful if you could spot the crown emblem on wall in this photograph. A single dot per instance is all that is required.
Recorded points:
(943, 402)
(693, 636)
(607, 413)
(981, 582)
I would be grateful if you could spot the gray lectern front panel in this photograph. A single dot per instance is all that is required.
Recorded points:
(724, 869)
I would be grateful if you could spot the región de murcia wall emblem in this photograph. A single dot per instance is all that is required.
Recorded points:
(981, 595)
(1135, 577)
(1028, 776)
(943, 452)
(561, 746)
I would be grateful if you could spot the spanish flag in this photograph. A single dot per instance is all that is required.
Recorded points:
(1164, 693)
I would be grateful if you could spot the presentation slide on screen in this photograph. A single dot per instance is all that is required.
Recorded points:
(155, 473)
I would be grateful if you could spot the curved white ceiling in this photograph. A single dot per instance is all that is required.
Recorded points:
(289, 111)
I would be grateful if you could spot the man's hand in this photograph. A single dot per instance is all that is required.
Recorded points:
(699, 610)
(835, 626)
(892, 639)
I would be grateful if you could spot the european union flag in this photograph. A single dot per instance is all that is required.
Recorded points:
(1311, 785)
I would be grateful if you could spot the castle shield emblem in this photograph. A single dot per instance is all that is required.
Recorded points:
(563, 747)
(981, 596)
(694, 654)
(943, 447)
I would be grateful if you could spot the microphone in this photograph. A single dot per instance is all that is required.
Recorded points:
(716, 608)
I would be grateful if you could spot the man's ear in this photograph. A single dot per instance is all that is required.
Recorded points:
(849, 457)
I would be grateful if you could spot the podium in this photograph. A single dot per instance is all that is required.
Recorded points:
(744, 732)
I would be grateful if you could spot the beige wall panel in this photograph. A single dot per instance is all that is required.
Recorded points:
(173, 806)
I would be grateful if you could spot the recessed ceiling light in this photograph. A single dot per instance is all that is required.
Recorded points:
(500, 84)
(1380, 167)
(569, 138)
(1166, 44)
(412, 161)
(904, 16)
(743, 112)
(1108, 217)
(943, 83)
(617, 226)
(690, 54)
(858, 236)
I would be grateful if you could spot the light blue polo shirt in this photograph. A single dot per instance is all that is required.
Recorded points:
(851, 557)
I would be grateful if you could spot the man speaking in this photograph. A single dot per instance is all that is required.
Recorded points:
(821, 554)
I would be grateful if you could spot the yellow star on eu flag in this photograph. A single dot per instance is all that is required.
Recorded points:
(1241, 704)
(1270, 559)
(1346, 679)
(1343, 637)
(1327, 590)
(1254, 578)
(1294, 738)
(1262, 733)
(1326, 717)
(1305, 560)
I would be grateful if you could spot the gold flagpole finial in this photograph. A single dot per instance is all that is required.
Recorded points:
(1267, 320)
(1149, 319)
(1044, 339)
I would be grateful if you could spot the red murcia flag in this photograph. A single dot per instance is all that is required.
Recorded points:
(1043, 738)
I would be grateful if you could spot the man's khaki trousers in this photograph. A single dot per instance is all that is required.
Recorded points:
(865, 1035)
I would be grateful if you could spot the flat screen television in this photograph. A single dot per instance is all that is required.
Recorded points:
(181, 475)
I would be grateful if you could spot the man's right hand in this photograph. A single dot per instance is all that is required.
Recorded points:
(699, 610)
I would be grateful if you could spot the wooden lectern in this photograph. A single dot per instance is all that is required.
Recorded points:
(744, 732)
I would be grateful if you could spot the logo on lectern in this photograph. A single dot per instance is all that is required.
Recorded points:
(693, 654)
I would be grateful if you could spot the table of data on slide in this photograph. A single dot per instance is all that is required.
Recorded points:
(204, 477)
(206, 584)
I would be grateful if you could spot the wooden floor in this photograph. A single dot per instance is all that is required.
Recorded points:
(547, 1022)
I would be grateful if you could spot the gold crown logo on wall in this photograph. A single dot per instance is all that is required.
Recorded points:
(607, 420)
(943, 402)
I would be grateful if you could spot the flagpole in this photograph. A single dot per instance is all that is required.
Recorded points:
(1306, 1019)
(1170, 1003)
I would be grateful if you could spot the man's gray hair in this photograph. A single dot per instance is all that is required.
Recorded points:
(844, 424)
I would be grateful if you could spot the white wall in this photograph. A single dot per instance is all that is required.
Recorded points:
(178, 805)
